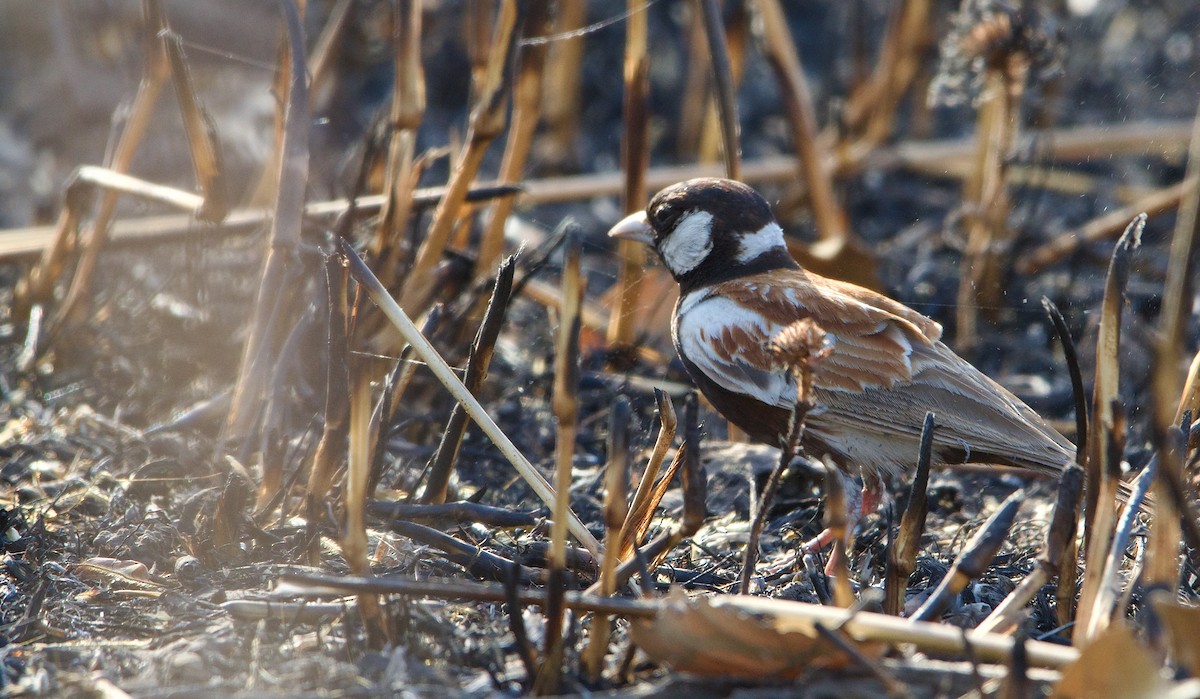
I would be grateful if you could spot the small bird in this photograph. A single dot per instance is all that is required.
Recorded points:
(884, 364)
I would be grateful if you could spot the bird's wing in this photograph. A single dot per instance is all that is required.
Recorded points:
(977, 419)
(885, 368)
(873, 339)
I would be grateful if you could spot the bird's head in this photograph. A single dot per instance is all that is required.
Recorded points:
(709, 229)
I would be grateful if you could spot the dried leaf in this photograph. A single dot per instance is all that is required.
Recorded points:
(115, 570)
(1181, 621)
(708, 636)
(1114, 665)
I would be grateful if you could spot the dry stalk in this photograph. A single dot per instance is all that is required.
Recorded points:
(986, 195)
(616, 486)
(354, 537)
(394, 387)
(1189, 400)
(695, 480)
(693, 115)
(1104, 609)
(838, 251)
(871, 110)
(641, 510)
(280, 267)
(36, 289)
(565, 398)
(1016, 684)
(652, 553)
(902, 555)
(795, 349)
(486, 123)
(1106, 438)
(441, 464)
(1156, 138)
(560, 96)
(527, 93)
(780, 49)
(325, 50)
(1165, 534)
(726, 87)
(477, 35)
(1068, 552)
(1103, 227)
(687, 460)
(862, 627)
(974, 559)
(266, 190)
(335, 425)
(408, 109)
(1060, 540)
(200, 131)
(635, 159)
(154, 75)
(737, 30)
(565, 405)
(446, 376)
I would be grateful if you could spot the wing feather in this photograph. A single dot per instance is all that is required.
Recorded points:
(885, 369)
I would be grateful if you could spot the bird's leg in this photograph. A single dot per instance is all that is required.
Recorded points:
(859, 505)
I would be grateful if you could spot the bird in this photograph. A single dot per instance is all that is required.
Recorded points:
(884, 365)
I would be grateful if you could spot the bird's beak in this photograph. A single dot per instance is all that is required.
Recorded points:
(633, 227)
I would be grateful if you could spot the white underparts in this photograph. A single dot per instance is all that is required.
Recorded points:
(754, 244)
(687, 246)
(702, 320)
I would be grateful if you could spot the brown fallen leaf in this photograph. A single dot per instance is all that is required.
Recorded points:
(747, 636)
(712, 636)
(1181, 621)
(1115, 665)
(116, 570)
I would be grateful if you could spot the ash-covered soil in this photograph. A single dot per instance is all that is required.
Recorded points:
(110, 449)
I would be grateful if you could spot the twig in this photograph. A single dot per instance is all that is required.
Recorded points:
(446, 376)
(1164, 562)
(1102, 227)
(642, 508)
(565, 406)
(718, 49)
(974, 559)
(487, 122)
(1068, 552)
(354, 535)
(902, 555)
(781, 52)
(795, 348)
(1153, 138)
(1060, 539)
(282, 257)
(1106, 438)
(635, 159)
(451, 513)
(1101, 611)
(406, 114)
(442, 463)
(527, 93)
(616, 481)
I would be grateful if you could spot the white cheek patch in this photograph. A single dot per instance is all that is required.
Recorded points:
(754, 244)
(687, 246)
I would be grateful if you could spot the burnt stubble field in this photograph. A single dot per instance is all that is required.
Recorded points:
(230, 468)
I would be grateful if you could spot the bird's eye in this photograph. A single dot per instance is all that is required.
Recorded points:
(663, 218)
